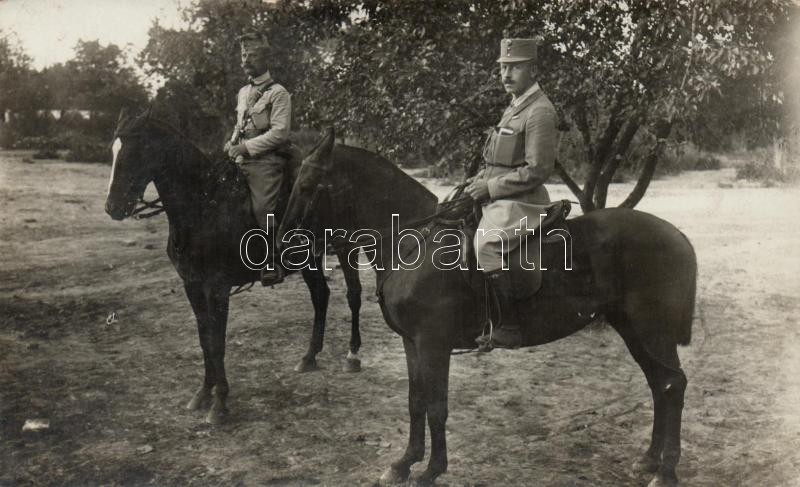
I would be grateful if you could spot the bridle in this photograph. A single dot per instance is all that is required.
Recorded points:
(147, 209)
(141, 206)
(144, 205)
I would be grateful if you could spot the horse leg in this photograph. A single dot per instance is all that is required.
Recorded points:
(202, 398)
(315, 280)
(673, 386)
(667, 383)
(434, 364)
(415, 451)
(351, 278)
(217, 299)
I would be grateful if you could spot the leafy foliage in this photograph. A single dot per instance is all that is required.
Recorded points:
(97, 79)
(417, 80)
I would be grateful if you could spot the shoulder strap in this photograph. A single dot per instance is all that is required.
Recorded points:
(259, 92)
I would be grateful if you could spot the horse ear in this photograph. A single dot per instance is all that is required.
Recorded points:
(123, 114)
(326, 149)
(321, 154)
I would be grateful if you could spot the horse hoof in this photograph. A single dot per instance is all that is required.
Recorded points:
(352, 365)
(646, 464)
(306, 365)
(201, 400)
(662, 481)
(217, 415)
(425, 479)
(392, 477)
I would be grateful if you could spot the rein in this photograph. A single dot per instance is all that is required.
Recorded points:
(155, 205)
(444, 208)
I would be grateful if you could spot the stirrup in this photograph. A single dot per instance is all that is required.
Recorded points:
(273, 276)
(516, 334)
(484, 344)
(488, 342)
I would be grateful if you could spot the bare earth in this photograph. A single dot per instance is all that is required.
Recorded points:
(572, 413)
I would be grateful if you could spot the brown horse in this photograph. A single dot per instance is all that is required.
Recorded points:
(208, 211)
(637, 270)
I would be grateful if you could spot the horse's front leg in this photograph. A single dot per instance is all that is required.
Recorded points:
(415, 451)
(217, 300)
(320, 292)
(202, 398)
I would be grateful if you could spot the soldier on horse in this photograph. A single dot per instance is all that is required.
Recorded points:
(260, 140)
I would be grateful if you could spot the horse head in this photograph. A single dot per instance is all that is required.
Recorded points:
(305, 207)
(138, 151)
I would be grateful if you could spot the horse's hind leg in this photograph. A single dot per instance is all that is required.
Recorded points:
(202, 398)
(434, 364)
(353, 282)
(320, 292)
(660, 363)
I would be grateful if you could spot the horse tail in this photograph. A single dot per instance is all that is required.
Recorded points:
(684, 335)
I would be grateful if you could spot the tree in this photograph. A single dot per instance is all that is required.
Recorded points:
(14, 70)
(419, 79)
(102, 83)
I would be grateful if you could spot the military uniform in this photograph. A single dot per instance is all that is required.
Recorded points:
(263, 122)
(519, 156)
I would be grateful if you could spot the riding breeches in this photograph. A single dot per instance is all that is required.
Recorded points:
(502, 225)
(264, 177)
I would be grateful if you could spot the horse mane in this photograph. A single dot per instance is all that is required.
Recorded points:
(382, 180)
(178, 135)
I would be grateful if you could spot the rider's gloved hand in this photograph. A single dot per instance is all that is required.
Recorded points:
(479, 190)
(237, 151)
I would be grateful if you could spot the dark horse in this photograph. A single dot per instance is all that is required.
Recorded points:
(207, 205)
(637, 270)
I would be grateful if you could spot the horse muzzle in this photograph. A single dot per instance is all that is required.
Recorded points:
(119, 211)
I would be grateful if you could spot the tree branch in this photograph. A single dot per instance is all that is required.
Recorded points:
(616, 157)
(662, 132)
(583, 127)
(586, 206)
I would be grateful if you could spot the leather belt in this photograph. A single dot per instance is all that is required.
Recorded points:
(249, 134)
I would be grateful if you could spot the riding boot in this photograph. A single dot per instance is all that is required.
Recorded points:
(508, 334)
(270, 277)
(274, 276)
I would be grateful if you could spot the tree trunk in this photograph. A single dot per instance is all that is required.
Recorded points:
(662, 132)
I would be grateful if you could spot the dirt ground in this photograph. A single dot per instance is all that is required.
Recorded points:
(572, 413)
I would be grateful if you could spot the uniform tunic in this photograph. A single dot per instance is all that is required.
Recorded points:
(519, 156)
(263, 115)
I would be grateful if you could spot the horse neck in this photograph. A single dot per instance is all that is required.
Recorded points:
(183, 183)
(375, 190)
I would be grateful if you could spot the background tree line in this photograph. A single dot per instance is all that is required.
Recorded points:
(417, 80)
(72, 106)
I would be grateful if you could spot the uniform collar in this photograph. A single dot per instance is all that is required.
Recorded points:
(261, 79)
(519, 100)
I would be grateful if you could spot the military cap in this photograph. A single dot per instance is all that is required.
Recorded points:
(253, 40)
(517, 50)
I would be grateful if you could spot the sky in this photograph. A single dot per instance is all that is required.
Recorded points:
(48, 30)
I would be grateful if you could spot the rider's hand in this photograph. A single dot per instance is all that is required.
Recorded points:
(237, 150)
(479, 190)
(227, 146)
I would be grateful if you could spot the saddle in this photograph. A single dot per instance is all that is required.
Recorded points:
(553, 230)
(232, 183)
